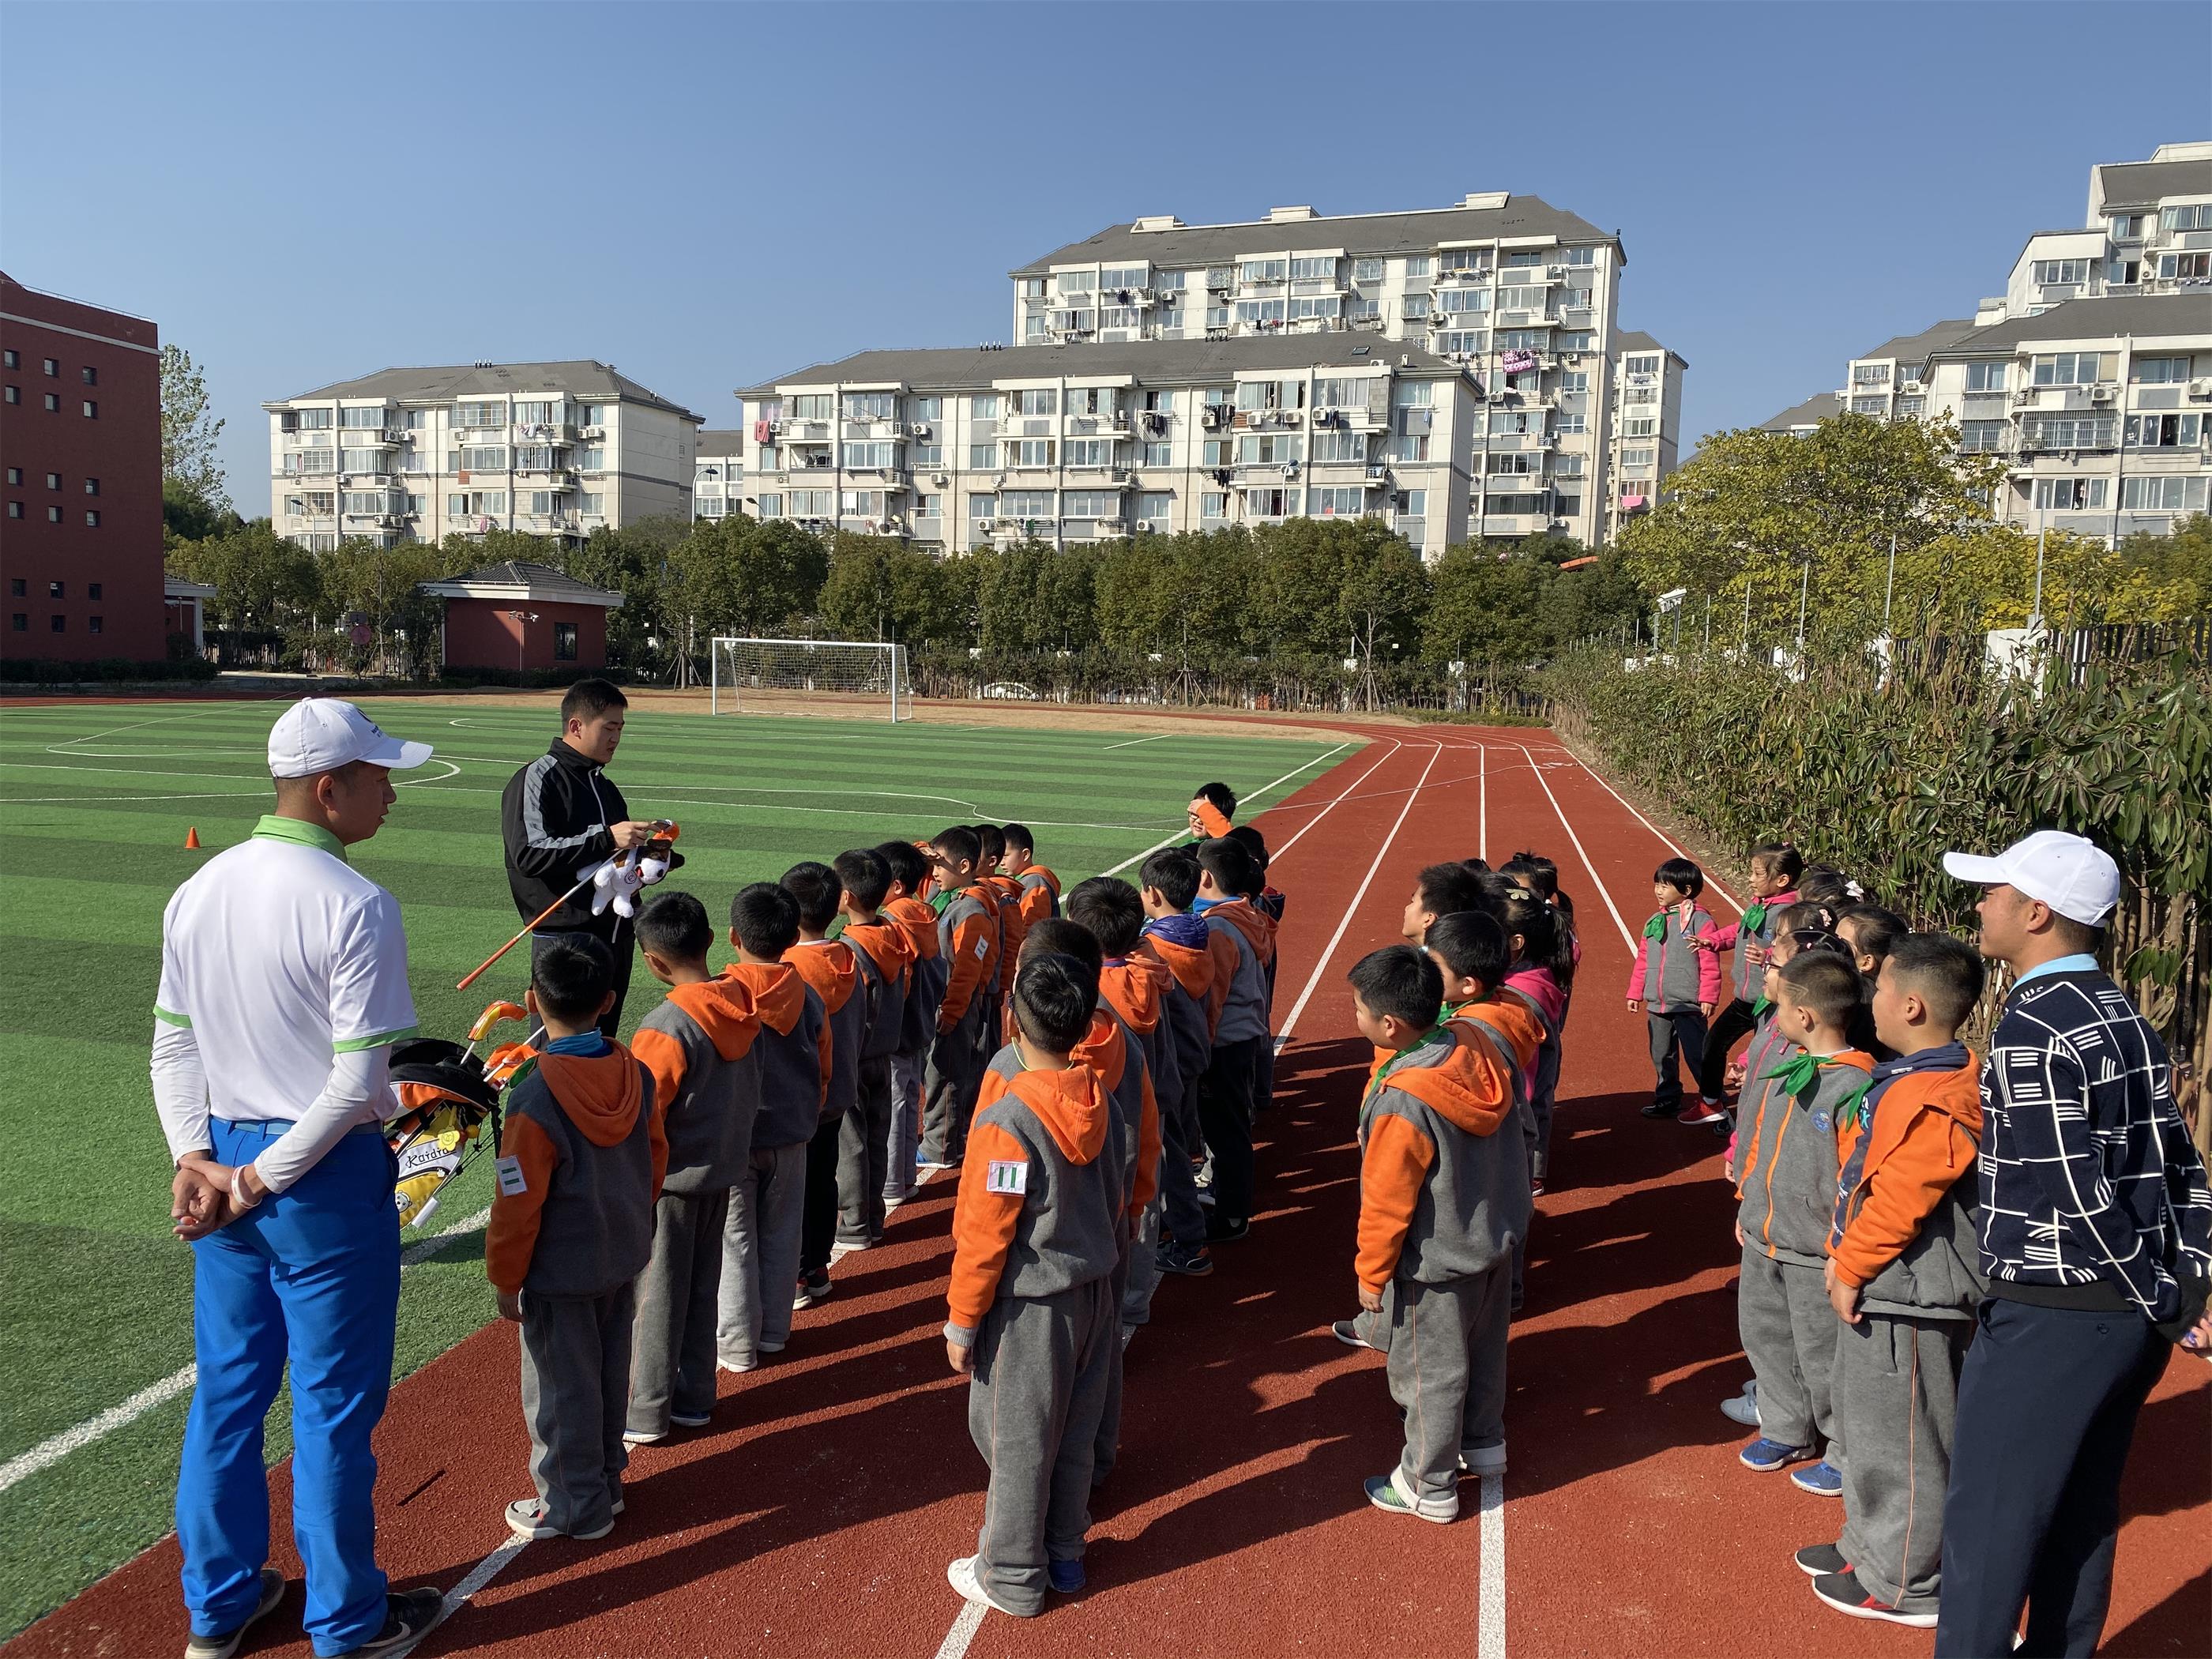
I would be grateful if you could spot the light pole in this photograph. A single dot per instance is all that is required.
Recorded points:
(2035, 611)
(1889, 587)
(522, 620)
(1804, 593)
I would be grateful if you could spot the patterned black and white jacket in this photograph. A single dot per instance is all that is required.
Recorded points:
(2092, 1195)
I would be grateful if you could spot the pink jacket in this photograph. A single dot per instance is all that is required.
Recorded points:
(1670, 975)
(1725, 939)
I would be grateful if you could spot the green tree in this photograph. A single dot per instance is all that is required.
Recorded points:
(1332, 588)
(263, 584)
(880, 589)
(383, 586)
(191, 474)
(2178, 565)
(737, 575)
(633, 561)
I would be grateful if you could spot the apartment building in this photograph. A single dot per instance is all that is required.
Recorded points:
(1646, 427)
(718, 473)
(1523, 296)
(963, 449)
(1888, 382)
(1800, 420)
(415, 454)
(81, 439)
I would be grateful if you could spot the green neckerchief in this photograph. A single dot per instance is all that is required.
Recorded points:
(1761, 1008)
(1399, 1059)
(1657, 927)
(1755, 918)
(300, 833)
(938, 901)
(1798, 1075)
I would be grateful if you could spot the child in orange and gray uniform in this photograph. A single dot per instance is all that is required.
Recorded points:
(1036, 1233)
(580, 1165)
(884, 956)
(1904, 1274)
(1442, 1197)
(1270, 902)
(1227, 1091)
(698, 1049)
(1006, 897)
(768, 1210)
(1177, 941)
(1040, 887)
(1676, 984)
(967, 940)
(1790, 1164)
(831, 969)
(907, 904)
(1212, 809)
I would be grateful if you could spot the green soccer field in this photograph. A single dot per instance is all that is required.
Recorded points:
(95, 803)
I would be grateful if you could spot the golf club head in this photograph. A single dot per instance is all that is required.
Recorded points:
(493, 1015)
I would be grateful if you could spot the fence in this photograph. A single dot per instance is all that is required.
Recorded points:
(1320, 688)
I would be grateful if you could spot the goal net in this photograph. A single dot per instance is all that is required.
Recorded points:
(810, 676)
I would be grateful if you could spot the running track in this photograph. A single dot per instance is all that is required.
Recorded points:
(817, 1514)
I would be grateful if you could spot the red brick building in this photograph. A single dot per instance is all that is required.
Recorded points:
(521, 616)
(80, 444)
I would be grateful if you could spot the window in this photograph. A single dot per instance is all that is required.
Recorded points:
(1367, 271)
(1476, 260)
(1453, 300)
(543, 502)
(1271, 503)
(92, 486)
(592, 458)
(362, 418)
(564, 642)
(1523, 339)
(2047, 272)
(1155, 505)
(1416, 306)
(1091, 400)
(14, 394)
(860, 503)
(57, 590)
(1873, 405)
(2196, 216)
(928, 455)
(94, 590)
(1270, 394)
(1025, 504)
(1912, 405)
(1217, 452)
(464, 414)
(92, 518)
(1514, 421)
(1090, 504)
(1412, 394)
(21, 619)
(2070, 495)
(360, 461)
(1861, 374)
(1261, 311)
(771, 507)
(14, 475)
(54, 405)
(1088, 451)
(1578, 255)
(91, 375)
(1268, 448)
(1038, 400)
(59, 624)
(2128, 227)
(871, 457)
(588, 502)
(1415, 448)
(2159, 371)
(809, 503)
(13, 360)
(1340, 446)
(15, 509)
(94, 624)
(422, 503)
(1520, 299)
(2069, 432)
(983, 458)
(1158, 455)
(984, 406)
(1212, 505)
(1314, 270)
(1571, 421)
(1574, 379)
(53, 367)
(1328, 503)
(1122, 276)
(531, 458)
(1639, 455)
(1567, 466)
(1985, 377)
(53, 481)
(1029, 451)
(928, 409)
(1577, 340)
(1264, 270)
(871, 406)
(1359, 307)
(982, 507)
(470, 503)
(1469, 340)
(812, 406)
(2077, 367)
(1639, 426)
(2163, 431)
(1519, 463)
(1305, 310)
(1417, 265)
(2168, 494)
(482, 460)
(53, 515)
(1076, 282)
(1416, 504)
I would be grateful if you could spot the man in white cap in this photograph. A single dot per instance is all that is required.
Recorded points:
(2096, 1237)
(283, 984)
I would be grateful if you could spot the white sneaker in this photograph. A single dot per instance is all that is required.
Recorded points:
(961, 1575)
(738, 1367)
(1483, 1460)
(1741, 1408)
(639, 1438)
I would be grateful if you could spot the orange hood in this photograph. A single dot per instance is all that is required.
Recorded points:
(886, 944)
(1103, 1050)
(828, 967)
(778, 992)
(1135, 986)
(1191, 965)
(723, 1009)
(919, 922)
(1470, 1087)
(1072, 1106)
(1258, 928)
(599, 1093)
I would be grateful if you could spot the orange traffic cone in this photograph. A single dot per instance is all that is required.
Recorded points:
(192, 839)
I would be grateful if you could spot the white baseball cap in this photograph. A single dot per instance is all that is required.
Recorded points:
(2075, 878)
(320, 734)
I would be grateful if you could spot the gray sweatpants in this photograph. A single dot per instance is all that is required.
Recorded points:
(575, 1390)
(1896, 1393)
(1682, 1031)
(1183, 1217)
(1448, 1369)
(760, 1253)
(906, 1126)
(1108, 1445)
(1144, 1265)
(1542, 1101)
(1033, 1405)
(673, 1364)
(1789, 1333)
(864, 1156)
(949, 1083)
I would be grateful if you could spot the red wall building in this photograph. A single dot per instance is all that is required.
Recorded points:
(518, 615)
(80, 444)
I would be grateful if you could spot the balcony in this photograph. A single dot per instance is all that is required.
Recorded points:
(800, 432)
(548, 524)
(1108, 474)
(1118, 420)
(542, 432)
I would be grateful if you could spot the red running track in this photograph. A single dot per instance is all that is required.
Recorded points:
(818, 1512)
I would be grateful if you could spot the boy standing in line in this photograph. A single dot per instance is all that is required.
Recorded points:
(1171, 936)
(905, 903)
(831, 969)
(1226, 1089)
(884, 956)
(968, 941)
(1031, 1318)
(1040, 887)
(1212, 809)
(1676, 984)
(580, 1172)
(697, 1049)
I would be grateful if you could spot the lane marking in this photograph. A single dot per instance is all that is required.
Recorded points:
(1134, 742)
(1666, 840)
(1321, 967)
(1626, 937)
(1394, 747)
(1176, 834)
(1482, 800)
(48, 1453)
(963, 1630)
(1489, 1626)
(458, 1597)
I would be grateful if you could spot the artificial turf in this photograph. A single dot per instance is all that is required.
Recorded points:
(94, 804)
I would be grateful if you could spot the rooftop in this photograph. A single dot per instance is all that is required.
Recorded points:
(519, 579)
(581, 378)
(719, 440)
(1415, 232)
(2159, 316)
(2143, 184)
(1915, 347)
(1635, 340)
(1813, 410)
(958, 368)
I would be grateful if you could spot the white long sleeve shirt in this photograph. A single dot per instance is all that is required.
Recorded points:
(284, 986)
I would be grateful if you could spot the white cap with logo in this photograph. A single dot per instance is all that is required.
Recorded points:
(320, 734)
(2075, 878)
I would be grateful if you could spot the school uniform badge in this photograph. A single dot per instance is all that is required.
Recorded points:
(1007, 1175)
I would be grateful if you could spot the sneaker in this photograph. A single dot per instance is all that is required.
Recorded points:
(1387, 1493)
(740, 1367)
(408, 1617)
(1823, 1480)
(1843, 1592)
(845, 1247)
(526, 1518)
(814, 1287)
(1206, 1197)
(1347, 1331)
(961, 1575)
(1191, 1261)
(223, 1646)
(1483, 1460)
(771, 1344)
(691, 1420)
(1065, 1576)
(1536, 1187)
(925, 1165)
(1766, 1455)
(1701, 1113)
(1741, 1408)
(1662, 1109)
(1820, 1561)
(639, 1438)
(1225, 1230)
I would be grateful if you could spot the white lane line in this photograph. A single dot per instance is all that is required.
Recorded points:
(1666, 840)
(1134, 742)
(1482, 798)
(1490, 1627)
(1176, 836)
(1626, 937)
(963, 1632)
(1383, 852)
(458, 1597)
(48, 1453)
(1331, 806)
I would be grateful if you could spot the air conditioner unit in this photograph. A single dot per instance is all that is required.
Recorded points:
(2102, 394)
(1572, 357)
(940, 479)
(597, 431)
(1913, 386)
(1556, 273)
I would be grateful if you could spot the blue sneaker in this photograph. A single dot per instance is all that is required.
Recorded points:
(1767, 1456)
(1824, 1480)
(1065, 1576)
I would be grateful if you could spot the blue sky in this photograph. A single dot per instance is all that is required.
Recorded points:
(708, 195)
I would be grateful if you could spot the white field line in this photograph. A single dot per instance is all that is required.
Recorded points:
(1666, 840)
(49, 1452)
(1134, 742)
(955, 1644)
(1490, 1624)
(1321, 966)
(1332, 805)
(1626, 937)
(1173, 835)
(1482, 797)
(458, 1597)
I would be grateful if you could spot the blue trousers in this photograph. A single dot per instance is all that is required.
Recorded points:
(311, 1275)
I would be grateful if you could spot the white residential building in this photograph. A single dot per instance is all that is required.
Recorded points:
(1888, 382)
(961, 448)
(414, 454)
(718, 473)
(1647, 424)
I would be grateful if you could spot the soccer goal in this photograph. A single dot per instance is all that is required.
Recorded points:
(810, 676)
